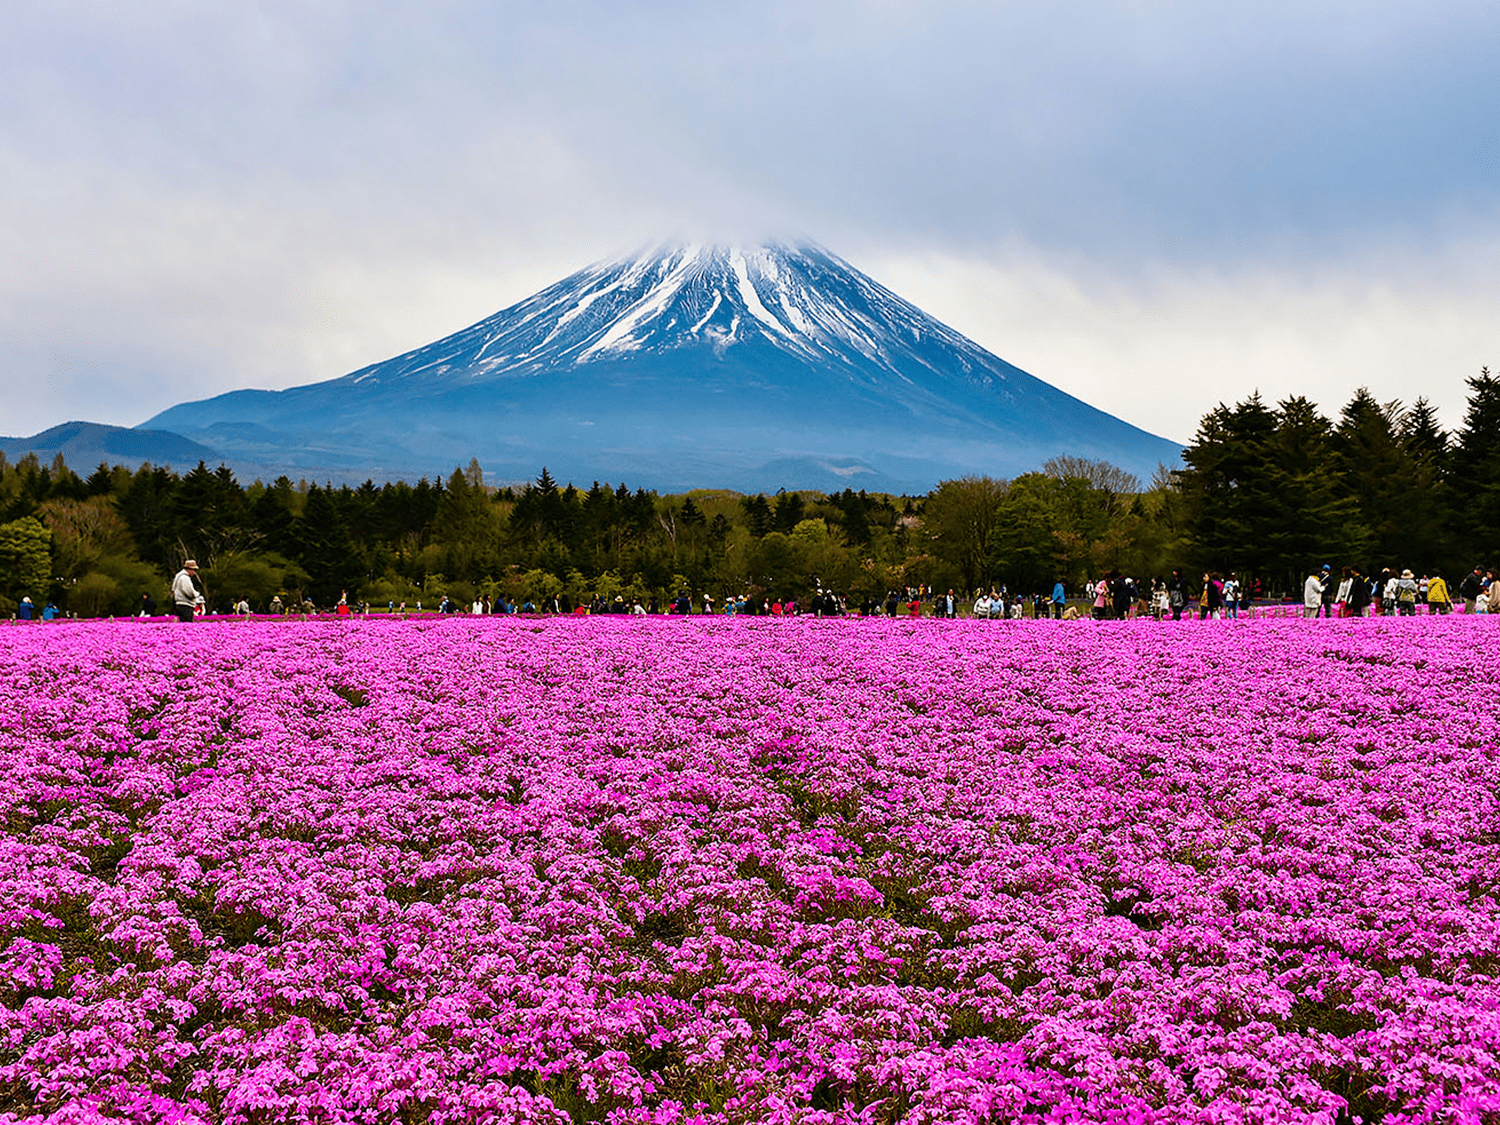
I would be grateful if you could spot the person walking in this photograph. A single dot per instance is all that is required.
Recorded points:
(1232, 596)
(1059, 599)
(185, 594)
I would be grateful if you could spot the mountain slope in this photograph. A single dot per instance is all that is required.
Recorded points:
(684, 366)
(85, 444)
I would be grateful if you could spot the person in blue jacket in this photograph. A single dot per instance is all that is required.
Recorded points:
(1059, 599)
(24, 610)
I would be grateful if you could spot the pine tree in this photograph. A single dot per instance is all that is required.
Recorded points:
(1229, 506)
(757, 514)
(1429, 510)
(1317, 519)
(1474, 466)
(324, 549)
(1377, 474)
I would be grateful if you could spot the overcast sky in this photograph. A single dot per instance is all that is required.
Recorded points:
(1155, 206)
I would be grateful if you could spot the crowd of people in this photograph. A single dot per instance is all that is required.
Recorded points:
(1355, 594)
(1112, 596)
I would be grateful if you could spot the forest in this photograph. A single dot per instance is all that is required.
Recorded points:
(1267, 491)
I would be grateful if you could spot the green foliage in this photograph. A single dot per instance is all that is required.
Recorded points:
(958, 520)
(256, 577)
(1266, 491)
(25, 561)
(1475, 465)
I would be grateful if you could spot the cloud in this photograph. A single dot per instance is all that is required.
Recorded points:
(198, 198)
(1164, 344)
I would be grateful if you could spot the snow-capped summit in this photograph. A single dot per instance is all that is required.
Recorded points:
(679, 366)
(800, 300)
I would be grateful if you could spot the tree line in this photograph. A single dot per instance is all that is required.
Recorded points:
(1267, 491)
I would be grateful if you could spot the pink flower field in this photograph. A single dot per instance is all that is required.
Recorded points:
(734, 870)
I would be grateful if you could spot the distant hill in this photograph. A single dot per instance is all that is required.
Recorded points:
(682, 367)
(84, 444)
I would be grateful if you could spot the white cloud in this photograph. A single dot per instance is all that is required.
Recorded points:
(194, 199)
(1163, 345)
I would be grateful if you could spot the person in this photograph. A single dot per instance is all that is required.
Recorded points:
(1211, 604)
(1470, 587)
(1438, 599)
(1388, 584)
(1232, 596)
(1359, 594)
(242, 607)
(49, 611)
(1101, 599)
(24, 610)
(1176, 595)
(1406, 594)
(148, 606)
(950, 604)
(1346, 590)
(982, 606)
(1059, 599)
(185, 595)
(1312, 595)
(1161, 601)
(1329, 589)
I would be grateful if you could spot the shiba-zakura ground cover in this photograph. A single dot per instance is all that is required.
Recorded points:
(744, 870)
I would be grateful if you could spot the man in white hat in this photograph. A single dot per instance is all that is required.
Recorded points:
(184, 594)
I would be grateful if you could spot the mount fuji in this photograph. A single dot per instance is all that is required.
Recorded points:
(685, 366)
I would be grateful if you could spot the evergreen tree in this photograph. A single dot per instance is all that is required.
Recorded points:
(148, 510)
(324, 549)
(1228, 503)
(1429, 509)
(1474, 467)
(1316, 519)
(757, 514)
(790, 511)
(25, 562)
(101, 482)
(1378, 475)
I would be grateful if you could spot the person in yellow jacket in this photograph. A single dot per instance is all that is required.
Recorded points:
(1438, 599)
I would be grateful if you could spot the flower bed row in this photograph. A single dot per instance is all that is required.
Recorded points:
(509, 870)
